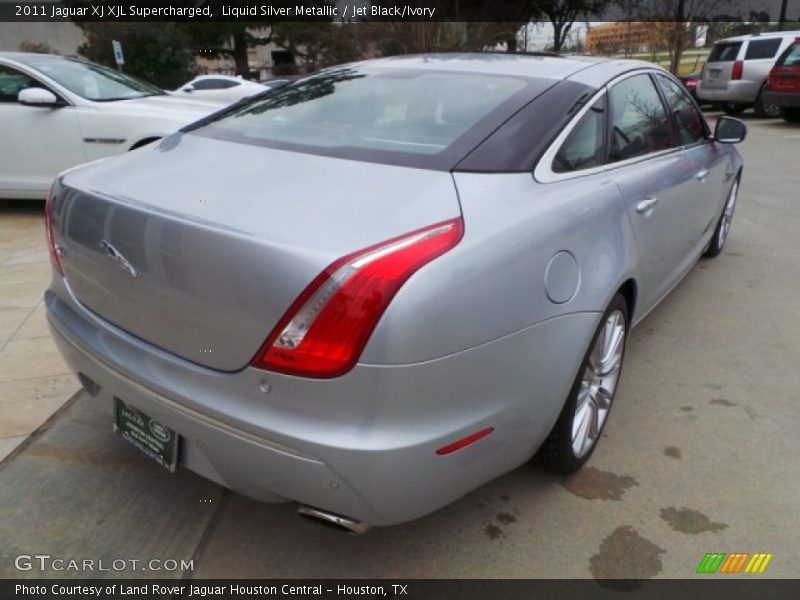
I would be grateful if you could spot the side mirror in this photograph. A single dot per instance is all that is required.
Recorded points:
(729, 130)
(40, 97)
(188, 89)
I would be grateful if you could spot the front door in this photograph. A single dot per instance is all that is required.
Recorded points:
(37, 142)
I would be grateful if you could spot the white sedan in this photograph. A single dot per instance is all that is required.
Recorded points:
(220, 88)
(56, 113)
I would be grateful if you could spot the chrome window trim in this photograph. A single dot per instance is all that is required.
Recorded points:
(543, 171)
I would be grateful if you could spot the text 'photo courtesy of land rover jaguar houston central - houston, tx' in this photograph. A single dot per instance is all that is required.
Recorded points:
(376, 288)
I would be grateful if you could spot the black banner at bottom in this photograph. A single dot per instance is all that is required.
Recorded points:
(706, 587)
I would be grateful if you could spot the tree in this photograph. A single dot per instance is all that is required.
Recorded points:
(562, 14)
(222, 39)
(323, 43)
(39, 47)
(672, 21)
(156, 52)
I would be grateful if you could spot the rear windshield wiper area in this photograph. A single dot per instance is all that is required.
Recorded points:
(216, 116)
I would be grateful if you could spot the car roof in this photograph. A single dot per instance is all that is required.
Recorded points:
(524, 64)
(755, 36)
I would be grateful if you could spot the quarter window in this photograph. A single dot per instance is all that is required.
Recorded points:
(585, 146)
(689, 120)
(762, 48)
(639, 123)
(12, 82)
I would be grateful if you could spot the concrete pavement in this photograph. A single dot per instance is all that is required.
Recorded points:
(700, 454)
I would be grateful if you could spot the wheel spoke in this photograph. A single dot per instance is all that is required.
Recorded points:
(598, 384)
(603, 398)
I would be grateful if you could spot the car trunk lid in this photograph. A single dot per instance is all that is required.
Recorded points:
(199, 246)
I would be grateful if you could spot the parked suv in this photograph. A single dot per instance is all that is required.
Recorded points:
(783, 85)
(736, 71)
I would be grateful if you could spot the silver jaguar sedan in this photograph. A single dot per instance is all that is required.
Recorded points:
(379, 287)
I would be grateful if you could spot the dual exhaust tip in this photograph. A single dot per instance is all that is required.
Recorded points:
(333, 520)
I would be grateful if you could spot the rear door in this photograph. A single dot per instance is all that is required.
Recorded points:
(717, 72)
(759, 58)
(710, 162)
(657, 180)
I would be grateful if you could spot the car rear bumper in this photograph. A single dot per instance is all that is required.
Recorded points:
(362, 445)
(743, 92)
(789, 99)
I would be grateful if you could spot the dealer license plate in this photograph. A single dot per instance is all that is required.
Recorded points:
(151, 437)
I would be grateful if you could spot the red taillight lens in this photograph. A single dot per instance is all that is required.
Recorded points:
(736, 71)
(326, 328)
(48, 224)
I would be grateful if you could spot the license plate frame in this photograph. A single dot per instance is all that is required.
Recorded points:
(157, 441)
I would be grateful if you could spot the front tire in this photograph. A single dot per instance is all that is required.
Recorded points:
(724, 224)
(790, 114)
(575, 435)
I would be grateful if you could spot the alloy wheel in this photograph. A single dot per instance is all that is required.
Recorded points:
(727, 215)
(598, 384)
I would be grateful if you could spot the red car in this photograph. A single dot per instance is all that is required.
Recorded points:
(783, 84)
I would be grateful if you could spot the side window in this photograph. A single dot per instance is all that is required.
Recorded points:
(688, 118)
(585, 146)
(210, 84)
(762, 48)
(639, 123)
(12, 82)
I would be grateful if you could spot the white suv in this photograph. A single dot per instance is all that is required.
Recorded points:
(737, 69)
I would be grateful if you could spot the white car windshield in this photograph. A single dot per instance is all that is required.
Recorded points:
(91, 81)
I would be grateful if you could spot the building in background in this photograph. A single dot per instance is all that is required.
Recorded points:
(620, 38)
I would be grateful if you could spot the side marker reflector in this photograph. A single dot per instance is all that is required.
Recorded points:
(463, 442)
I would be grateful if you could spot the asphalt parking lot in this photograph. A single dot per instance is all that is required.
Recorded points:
(700, 455)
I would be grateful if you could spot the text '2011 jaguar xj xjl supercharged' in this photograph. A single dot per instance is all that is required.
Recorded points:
(379, 287)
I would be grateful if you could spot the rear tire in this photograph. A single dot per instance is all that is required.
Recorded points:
(766, 111)
(577, 431)
(790, 114)
(723, 228)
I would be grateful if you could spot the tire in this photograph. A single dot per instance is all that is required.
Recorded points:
(732, 108)
(790, 114)
(573, 439)
(723, 227)
(766, 111)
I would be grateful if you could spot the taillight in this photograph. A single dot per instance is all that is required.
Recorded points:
(326, 328)
(55, 260)
(736, 71)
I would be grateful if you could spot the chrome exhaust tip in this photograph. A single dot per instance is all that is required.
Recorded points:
(333, 520)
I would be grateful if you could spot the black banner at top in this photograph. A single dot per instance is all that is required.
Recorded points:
(251, 11)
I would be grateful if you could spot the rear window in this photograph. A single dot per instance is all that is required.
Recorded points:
(724, 52)
(791, 57)
(767, 48)
(352, 112)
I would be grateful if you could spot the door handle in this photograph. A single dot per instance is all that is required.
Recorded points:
(701, 174)
(647, 206)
